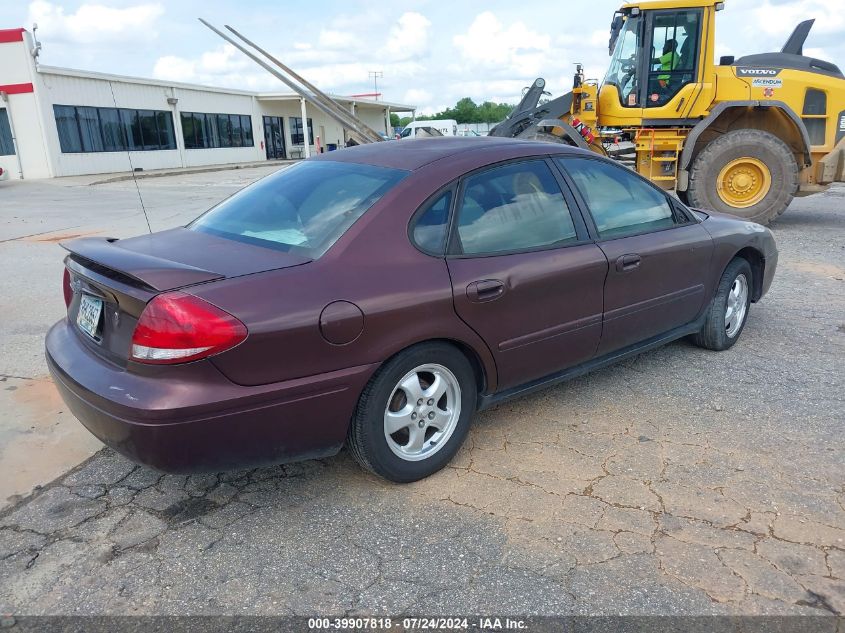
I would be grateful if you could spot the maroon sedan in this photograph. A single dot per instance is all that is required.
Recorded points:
(380, 295)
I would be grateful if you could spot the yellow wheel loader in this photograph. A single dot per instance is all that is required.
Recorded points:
(742, 137)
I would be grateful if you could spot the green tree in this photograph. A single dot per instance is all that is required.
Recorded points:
(467, 111)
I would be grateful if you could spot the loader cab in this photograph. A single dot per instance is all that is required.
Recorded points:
(656, 61)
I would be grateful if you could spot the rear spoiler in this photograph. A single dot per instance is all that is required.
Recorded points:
(153, 272)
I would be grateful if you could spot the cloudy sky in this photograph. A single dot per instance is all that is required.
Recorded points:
(431, 52)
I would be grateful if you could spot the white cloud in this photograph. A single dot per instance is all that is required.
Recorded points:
(781, 18)
(488, 43)
(335, 39)
(339, 61)
(416, 95)
(95, 23)
(216, 66)
(408, 37)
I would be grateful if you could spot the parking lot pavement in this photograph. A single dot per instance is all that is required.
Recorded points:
(39, 438)
(680, 482)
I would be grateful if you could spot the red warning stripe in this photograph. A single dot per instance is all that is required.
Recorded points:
(17, 89)
(11, 35)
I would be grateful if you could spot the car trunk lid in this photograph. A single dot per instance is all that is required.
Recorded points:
(113, 280)
(179, 257)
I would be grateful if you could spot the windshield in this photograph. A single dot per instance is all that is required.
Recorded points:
(303, 209)
(622, 72)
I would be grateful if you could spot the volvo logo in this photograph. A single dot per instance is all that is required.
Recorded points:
(758, 72)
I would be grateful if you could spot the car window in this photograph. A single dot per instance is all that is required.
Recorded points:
(432, 224)
(304, 208)
(518, 206)
(620, 202)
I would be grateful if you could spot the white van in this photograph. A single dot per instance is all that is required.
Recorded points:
(445, 127)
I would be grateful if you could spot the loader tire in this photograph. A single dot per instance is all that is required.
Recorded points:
(751, 174)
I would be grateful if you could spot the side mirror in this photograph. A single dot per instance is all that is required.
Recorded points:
(726, 60)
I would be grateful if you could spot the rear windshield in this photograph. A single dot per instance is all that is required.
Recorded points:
(303, 209)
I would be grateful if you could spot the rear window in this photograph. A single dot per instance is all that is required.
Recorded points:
(303, 209)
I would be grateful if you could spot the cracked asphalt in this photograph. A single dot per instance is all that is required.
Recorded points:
(682, 482)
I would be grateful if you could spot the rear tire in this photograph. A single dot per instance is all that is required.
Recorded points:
(427, 393)
(728, 313)
(748, 154)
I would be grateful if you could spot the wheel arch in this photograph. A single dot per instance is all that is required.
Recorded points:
(775, 117)
(483, 368)
(757, 262)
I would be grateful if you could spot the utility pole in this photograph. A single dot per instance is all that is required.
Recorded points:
(375, 75)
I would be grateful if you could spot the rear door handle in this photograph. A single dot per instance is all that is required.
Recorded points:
(628, 262)
(485, 290)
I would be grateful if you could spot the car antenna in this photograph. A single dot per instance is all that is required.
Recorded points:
(131, 167)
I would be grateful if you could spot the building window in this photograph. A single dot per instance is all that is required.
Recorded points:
(111, 129)
(296, 131)
(7, 147)
(203, 131)
(69, 137)
(88, 129)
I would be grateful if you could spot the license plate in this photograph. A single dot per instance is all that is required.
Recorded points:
(88, 317)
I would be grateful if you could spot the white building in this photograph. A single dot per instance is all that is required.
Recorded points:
(62, 122)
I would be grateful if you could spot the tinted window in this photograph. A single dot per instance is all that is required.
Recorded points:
(225, 130)
(132, 125)
(235, 123)
(89, 125)
(620, 202)
(674, 48)
(246, 125)
(296, 133)
(432, 224)
(6, 144)
(304, 208)
(207, 135)
(112, 130)
(68, 129)
(89, 129)
(149, 130)
(514, 207)
(166, 139)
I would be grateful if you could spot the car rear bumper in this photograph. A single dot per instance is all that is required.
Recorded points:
(191, 418)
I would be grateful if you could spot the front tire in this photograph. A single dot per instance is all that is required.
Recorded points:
(751, 174)
(414, 414)
(729, 311)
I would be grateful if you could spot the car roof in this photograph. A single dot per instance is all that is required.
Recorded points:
(412, 154)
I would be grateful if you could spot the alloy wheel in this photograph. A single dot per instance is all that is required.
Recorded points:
(422, 412)
(737, 305)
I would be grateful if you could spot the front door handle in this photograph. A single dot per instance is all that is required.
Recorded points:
(628, 262)
(485, 290)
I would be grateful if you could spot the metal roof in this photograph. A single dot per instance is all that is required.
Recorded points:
(261, 96)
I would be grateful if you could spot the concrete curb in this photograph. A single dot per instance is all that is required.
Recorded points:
(188, 170)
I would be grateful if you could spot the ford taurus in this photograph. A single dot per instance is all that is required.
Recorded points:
(379, 296)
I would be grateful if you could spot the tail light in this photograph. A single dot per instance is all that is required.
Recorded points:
(176, 328)
(66, 289)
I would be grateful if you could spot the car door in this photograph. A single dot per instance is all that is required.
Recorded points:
(658, 252)
(525, 275)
